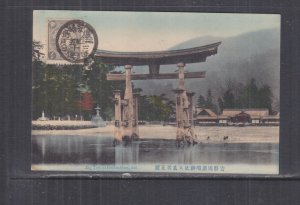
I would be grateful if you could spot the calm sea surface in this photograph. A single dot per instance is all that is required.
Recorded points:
(100, 150)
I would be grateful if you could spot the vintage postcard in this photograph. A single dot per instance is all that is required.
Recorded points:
(155, 92)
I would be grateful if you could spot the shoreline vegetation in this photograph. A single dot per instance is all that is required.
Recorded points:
(205, 134)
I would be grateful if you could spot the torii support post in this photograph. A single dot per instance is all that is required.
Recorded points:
(185, 132)
(129, 124)
(118, 116)
(135, 128)
(191, 112)
(179, 112)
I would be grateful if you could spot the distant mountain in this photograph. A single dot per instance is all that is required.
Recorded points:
(239, 58)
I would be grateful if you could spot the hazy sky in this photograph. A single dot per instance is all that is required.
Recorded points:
(149, 31)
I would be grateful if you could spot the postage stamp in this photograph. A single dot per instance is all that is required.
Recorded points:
(155, 92)
(53, 27)
(71, 40)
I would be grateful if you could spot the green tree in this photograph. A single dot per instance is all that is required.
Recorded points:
(155, 108)
(228, 99)
(144, 108)
(265, 97)
(54, 90)
(221, 104)
(38, 101)
(101, 88)
(210, 101)
(160, 110)
(37, 74)
(249, 95)
(201, 102)
(238, 93)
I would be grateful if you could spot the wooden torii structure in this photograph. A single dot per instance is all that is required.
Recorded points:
(126, 110)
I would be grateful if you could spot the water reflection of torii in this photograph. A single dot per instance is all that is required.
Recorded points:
(126, 115)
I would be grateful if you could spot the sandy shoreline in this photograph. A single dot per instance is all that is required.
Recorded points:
(216, 134)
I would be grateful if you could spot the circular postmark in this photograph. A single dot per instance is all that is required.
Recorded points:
(76, 41)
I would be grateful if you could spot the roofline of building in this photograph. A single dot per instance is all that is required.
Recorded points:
(247, 109)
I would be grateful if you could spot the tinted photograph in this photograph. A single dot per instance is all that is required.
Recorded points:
(155, 92)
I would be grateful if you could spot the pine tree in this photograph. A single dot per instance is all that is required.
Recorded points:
(264, 97)
(209, 100)
(201, 102)
(221, 104)
(228, 99)
(249, 97)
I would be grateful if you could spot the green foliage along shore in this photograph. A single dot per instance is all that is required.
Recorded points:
(239, 96)
(62, 90)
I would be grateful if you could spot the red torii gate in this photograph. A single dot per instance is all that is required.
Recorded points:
(126, 110)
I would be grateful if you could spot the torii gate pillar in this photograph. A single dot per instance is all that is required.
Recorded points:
(126, 111)
(135, 128)
(184, 114)
(191, 111)
(118, 115)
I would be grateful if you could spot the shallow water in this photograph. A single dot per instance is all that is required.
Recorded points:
(100, 150)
